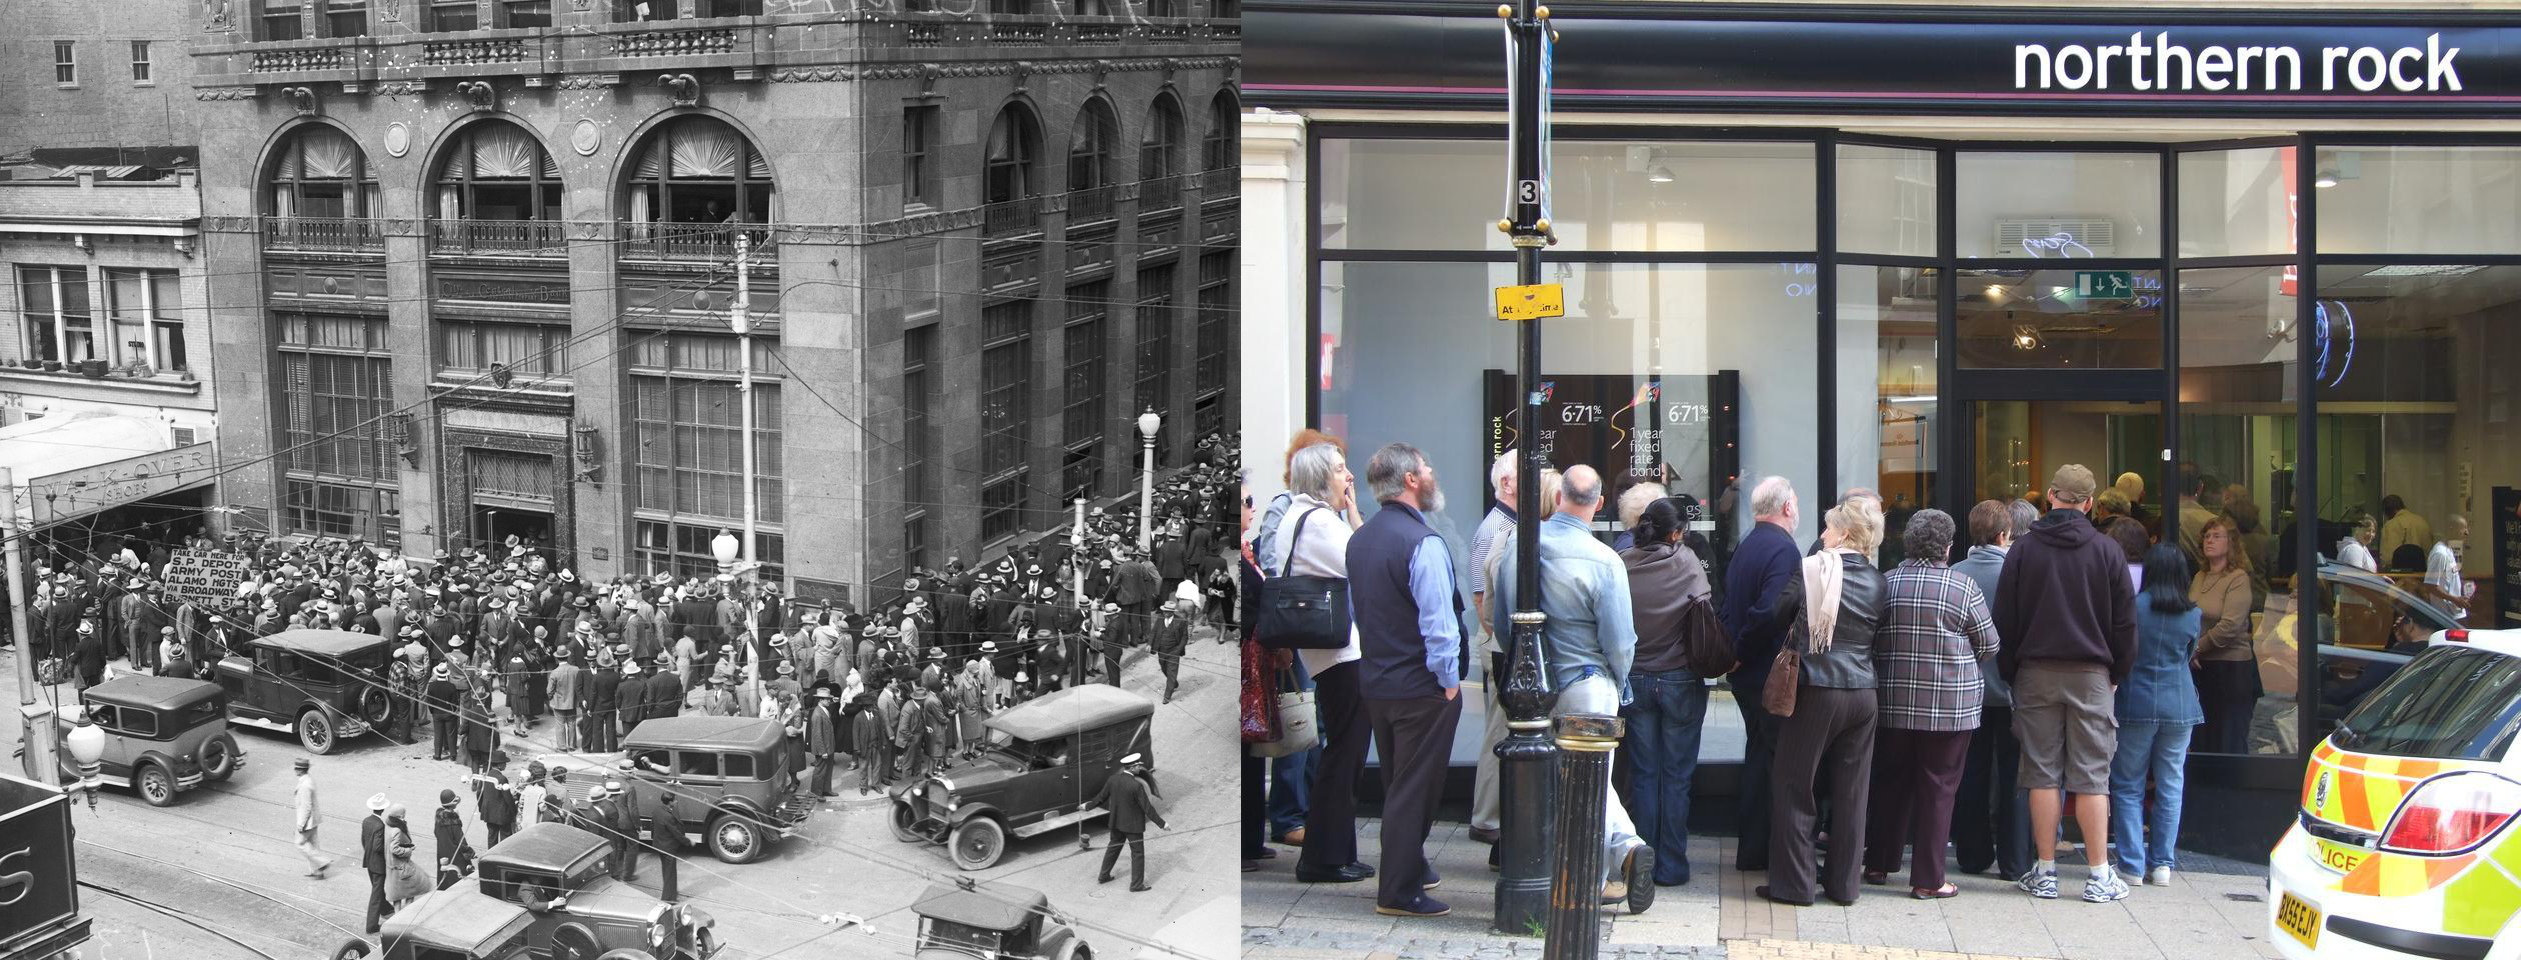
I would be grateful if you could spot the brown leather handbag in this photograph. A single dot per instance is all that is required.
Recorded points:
(1703, 640)
(1784, 676)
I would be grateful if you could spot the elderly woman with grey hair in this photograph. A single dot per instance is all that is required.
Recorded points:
(1312, 540)
(1935, 630)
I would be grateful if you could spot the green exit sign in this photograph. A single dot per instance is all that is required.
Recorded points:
(2105, 284)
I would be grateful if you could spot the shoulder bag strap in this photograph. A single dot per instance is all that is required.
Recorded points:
(1288, 563)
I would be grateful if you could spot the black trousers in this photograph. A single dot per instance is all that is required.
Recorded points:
(1915, 773)
(1831, 730)
(1415, 739)
(1137, 857)
(377, 908)
(1330, 826)
(1255, 806)
(1991, 819)
(1759, 755)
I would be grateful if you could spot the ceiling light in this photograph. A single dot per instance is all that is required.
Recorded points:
(1659, 174)
(1995, 291)
(2325, 179)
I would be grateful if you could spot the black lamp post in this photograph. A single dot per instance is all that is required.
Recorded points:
(1527, 757)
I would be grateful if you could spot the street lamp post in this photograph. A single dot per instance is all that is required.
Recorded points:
(35, 715)
(1148, 424)
(742, 318)
(87, 747)
(1527, 757)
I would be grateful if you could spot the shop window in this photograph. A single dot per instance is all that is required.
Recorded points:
(690, 459)
(2058, 205)
(684, 549)
(2237, 203)
(1888, 421)
(1216, 303)
(1672, 196)
(1886, 200)
(2044, 319)
(2416, 432)
(1006, 415)
(471, 347)
(53, 306)
(1002, 507)
(2402, 200)
(1083, 390)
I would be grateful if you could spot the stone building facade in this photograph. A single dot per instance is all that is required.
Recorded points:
(486, 252)
(97, 83)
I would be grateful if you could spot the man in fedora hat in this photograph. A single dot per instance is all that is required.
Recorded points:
(1172, 635)
(309, 818)
(1125, 798)
(372, 857)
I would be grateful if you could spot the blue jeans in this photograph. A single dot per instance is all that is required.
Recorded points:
(1665, 714)
(2159, 749)
(1291, 779)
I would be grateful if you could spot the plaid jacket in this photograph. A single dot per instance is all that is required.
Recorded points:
(1935, 629)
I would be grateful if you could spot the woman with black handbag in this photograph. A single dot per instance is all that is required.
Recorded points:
(1313, 540)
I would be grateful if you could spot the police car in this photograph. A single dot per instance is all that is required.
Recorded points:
(2404, 845)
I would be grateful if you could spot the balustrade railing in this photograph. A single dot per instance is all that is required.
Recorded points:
(323, 234)
(1013, 216)
(505, 237)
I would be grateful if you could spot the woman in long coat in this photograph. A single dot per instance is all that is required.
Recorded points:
(973, 693)
(480, 735)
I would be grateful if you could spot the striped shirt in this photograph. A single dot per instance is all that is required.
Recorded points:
(1935, 629)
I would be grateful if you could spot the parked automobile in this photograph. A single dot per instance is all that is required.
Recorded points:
(2406, 816)
(993, 921)
(325, 686)
(489, 915)
(730, 776)
(163, 736)
(1043, 761)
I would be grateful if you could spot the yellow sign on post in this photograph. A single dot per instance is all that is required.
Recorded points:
(1531, 302)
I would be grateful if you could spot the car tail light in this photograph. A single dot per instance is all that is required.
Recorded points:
(2456, 635)
(2452, 814)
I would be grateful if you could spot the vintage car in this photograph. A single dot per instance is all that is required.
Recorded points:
(323, 685)
(163, 736)
(1044, 760)
(496, 913)
(992, 921)
(730, 777)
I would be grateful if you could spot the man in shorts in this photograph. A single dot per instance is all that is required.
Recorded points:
(2066, 611)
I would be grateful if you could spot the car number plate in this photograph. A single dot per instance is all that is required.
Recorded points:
(2300, 919)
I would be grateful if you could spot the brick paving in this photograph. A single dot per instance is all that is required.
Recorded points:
(2202, 916)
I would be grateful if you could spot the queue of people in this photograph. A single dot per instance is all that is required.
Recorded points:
(2052, 673)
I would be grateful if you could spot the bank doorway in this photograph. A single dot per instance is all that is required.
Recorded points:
(2009, 448)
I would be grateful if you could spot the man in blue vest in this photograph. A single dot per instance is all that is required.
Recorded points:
(1400, 579)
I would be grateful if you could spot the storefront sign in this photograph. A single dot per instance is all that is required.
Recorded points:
(1675, 430)
(77, 493)
(1531, 302)
(1900, 60)
(202, 575)
(39, 889)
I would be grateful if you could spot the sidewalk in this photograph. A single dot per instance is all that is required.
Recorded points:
(2201, 916)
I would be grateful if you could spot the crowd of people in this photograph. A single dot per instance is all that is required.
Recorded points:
(2042, 660)
(488, 647)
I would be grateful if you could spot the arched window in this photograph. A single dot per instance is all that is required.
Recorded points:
(321, 172)
(699, 170)
(1160, 156)
(496, 171)
(1014, 145)
(1090, 161)
(1223, 120)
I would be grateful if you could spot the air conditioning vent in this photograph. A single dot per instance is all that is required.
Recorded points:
(2072, 238)
(184, 437)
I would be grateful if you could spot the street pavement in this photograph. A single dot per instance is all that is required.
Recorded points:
(2201, 916)
(222, 858)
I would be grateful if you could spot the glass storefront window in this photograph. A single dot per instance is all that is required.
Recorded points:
(1886, 387)
(2038, 319)
(1647, 196)
(2401, 200)
(1886, 200)
(2058, 205)
(2236, 203)
(2418, 462)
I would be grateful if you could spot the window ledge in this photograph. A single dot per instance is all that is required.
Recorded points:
(169, 384)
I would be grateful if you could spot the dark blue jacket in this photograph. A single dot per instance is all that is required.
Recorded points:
(1392, 647)
(1761, 566)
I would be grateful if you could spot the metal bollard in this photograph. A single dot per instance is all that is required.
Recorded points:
(1575, 889)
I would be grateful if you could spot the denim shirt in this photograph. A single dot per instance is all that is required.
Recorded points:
(1584, 592)
(2160, 689)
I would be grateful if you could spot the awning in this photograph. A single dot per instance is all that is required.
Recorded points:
(70, 465)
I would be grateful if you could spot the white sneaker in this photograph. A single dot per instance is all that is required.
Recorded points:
(2104, 887)
(2159, 876)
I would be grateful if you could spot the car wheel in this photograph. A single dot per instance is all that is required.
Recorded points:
(315, 732)
(1074, 949)
(575, 942)
(734, 839)
(156, 785)
(902, 819)
(978, 843)
(218, 759)
(352, 949)
(627, 953)
(375, 707)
